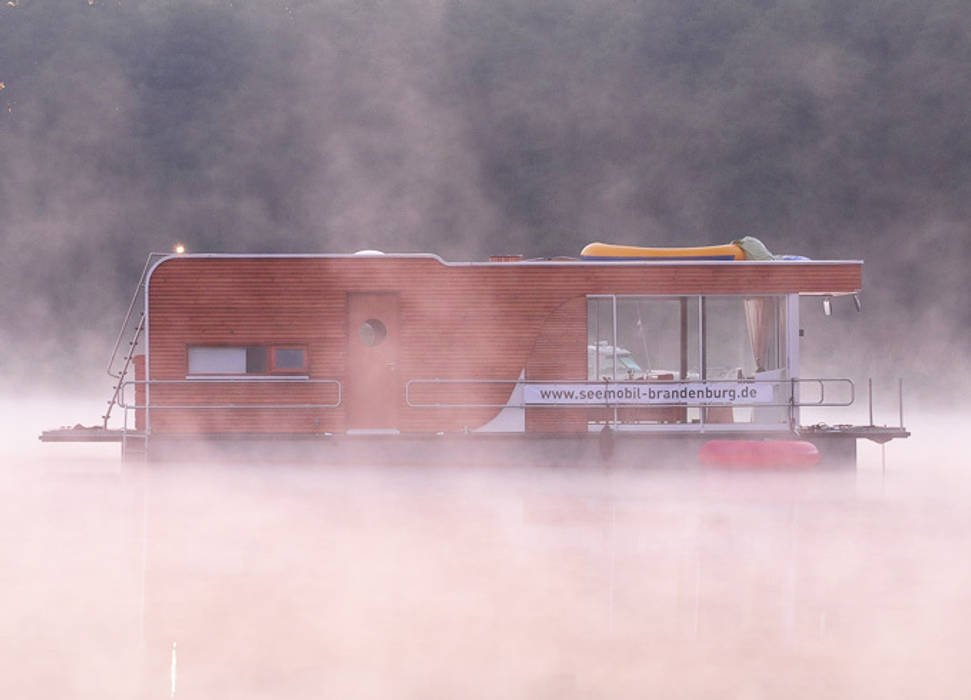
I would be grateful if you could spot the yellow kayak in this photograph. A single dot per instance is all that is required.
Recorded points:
(607, 251)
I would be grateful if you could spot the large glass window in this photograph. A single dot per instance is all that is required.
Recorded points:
(716, 339)
(744, 336)
(653, 338)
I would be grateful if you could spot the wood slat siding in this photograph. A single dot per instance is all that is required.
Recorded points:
(560, 351)
(457, 322)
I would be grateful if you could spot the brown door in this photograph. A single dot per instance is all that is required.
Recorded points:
(371, 388)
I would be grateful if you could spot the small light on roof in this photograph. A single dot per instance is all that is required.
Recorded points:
(179, 249)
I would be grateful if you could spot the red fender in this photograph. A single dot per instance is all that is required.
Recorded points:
(758, 453)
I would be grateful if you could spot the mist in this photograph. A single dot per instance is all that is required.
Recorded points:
(297, 580)
(470, 128)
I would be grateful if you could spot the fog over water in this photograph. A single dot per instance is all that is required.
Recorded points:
(276, 580)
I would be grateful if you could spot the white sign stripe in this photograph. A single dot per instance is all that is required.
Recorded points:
(638, 394)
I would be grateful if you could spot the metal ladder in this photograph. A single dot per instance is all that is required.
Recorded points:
(136, 328)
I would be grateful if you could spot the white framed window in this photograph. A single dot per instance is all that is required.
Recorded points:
(256, 360)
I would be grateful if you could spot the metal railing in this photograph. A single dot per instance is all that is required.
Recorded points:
(230, 380)
(260, 381)
(900, 400)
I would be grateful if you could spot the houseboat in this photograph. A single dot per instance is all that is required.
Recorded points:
(637, 355)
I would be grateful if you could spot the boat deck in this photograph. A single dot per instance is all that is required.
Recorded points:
(836, 445)
(80, 433)
(877, 433)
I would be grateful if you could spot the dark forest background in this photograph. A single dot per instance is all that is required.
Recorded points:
(470, 127)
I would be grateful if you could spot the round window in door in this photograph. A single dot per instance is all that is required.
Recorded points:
(373, 332)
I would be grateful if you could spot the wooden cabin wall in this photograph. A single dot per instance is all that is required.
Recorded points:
(241, 302)
(456, 322)
(560, 353)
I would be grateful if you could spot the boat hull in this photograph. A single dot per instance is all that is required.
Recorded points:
(594, 449)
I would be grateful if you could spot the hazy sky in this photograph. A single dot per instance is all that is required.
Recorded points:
(832, 129)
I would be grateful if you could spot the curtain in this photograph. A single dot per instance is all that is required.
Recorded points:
(761, 314)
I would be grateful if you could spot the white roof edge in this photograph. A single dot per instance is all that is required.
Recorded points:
(536, 262)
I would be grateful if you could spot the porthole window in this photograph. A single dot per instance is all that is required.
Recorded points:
(373, 332)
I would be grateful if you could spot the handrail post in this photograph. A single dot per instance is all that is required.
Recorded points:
(792, 403)
(900, 399)
(870, 393)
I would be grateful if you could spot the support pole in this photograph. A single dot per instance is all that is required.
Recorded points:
(870, 394)
(900, 399)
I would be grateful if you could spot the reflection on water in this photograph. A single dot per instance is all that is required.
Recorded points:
(303, 581)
